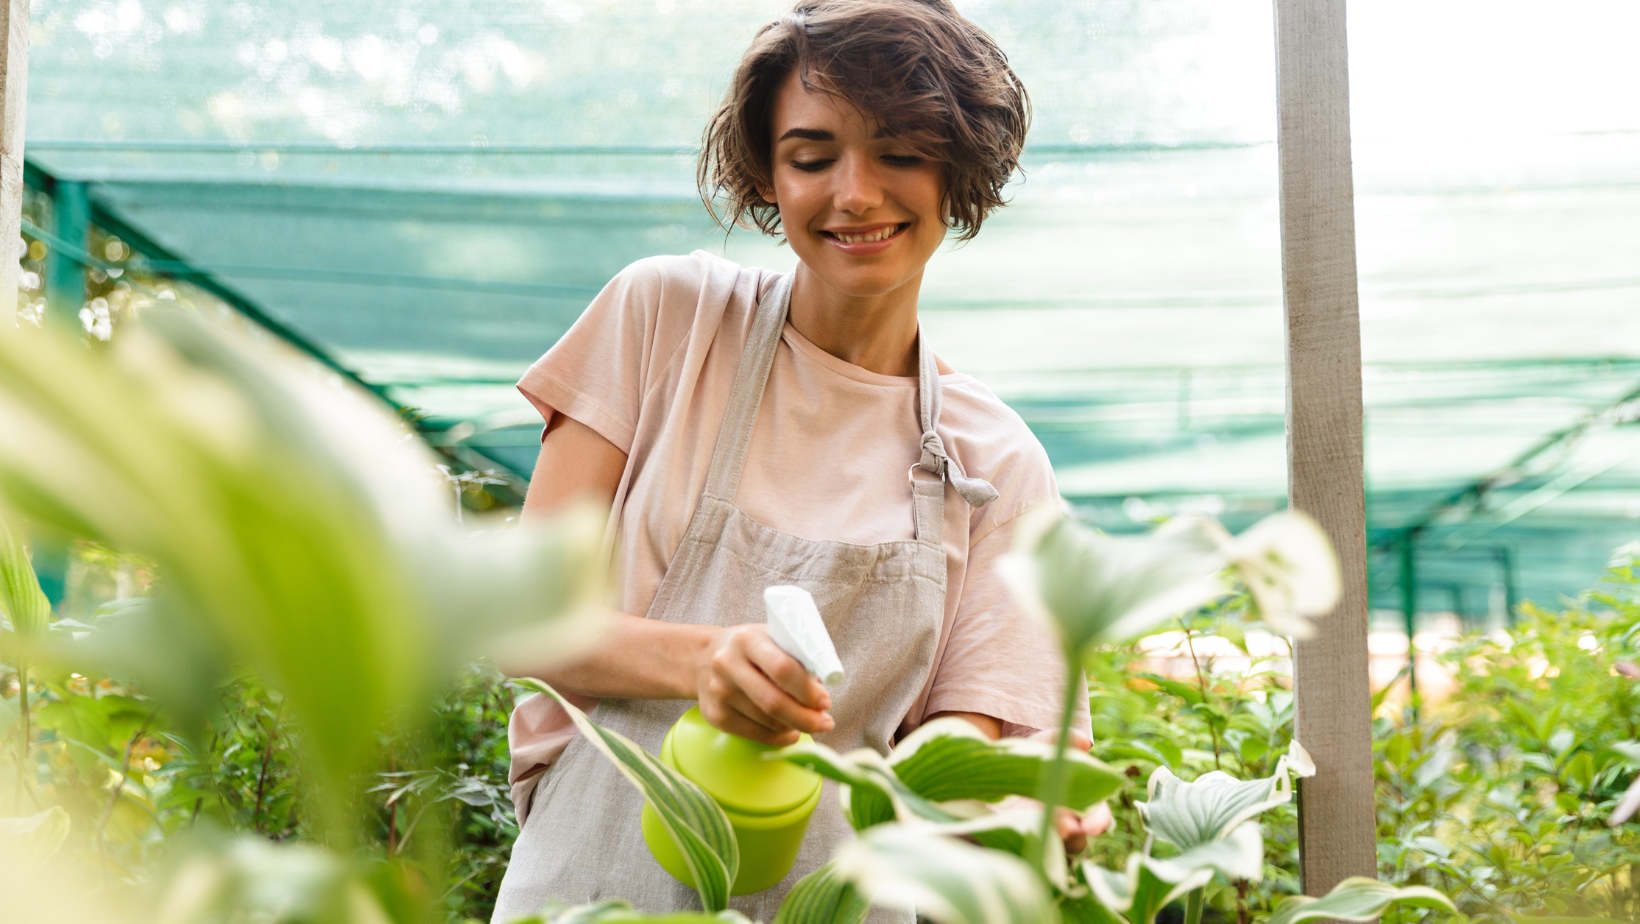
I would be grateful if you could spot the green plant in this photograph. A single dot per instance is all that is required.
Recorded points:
(931, 831)
(1505, 795)
(308, 563)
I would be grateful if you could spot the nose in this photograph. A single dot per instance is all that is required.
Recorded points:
(859, 186)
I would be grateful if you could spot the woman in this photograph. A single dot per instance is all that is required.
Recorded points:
(750, 428)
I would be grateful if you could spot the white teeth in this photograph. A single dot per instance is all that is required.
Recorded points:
(882, 234)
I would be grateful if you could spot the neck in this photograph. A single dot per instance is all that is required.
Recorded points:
(877, 332)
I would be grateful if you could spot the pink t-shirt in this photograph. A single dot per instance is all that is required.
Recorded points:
(649, 366)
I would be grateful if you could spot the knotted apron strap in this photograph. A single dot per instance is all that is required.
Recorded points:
(751, 378)
(976, 491)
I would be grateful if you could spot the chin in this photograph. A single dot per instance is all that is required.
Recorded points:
(862, 282)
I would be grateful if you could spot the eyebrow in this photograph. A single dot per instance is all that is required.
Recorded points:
(817, 134)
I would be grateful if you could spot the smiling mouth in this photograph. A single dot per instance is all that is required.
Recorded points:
(867, 237)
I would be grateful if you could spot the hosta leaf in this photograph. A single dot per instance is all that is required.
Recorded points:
(944, 879)
(1141, 890)
(951, 759)
(1239, 855)
(822, 897)
(33, 840)
(693, 818)
(1092, 586)
(1208, 808)
(1357, 899)
(616, 911)
(874, 795)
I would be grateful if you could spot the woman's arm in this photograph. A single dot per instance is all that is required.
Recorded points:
(744, 682)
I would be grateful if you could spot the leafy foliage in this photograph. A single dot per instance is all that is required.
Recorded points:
(1501, 796)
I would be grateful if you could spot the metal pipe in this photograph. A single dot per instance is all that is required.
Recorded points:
(65, 277)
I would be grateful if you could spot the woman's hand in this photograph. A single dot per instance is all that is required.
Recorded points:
(748, 686)
(1075, 829)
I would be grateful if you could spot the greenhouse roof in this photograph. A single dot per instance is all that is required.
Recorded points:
(429, 193)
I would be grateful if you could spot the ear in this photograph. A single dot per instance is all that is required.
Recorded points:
(766, 191)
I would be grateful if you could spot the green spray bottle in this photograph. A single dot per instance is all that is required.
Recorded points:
(769, 802)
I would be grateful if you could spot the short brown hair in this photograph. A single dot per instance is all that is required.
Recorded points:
(917, 66)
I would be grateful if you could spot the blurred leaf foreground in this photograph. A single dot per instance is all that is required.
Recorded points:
(286, 653)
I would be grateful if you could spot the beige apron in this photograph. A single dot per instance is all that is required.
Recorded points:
(884, 605)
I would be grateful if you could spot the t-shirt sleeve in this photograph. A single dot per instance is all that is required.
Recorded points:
(1000, 661)
(597, 372)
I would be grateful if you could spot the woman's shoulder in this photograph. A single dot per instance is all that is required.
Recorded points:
(991, 441)
(682, 274)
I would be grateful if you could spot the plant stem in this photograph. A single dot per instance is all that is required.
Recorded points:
(23, 742)
(1193, 906)
(262, 777)
(1201, 678)
(1052, 793)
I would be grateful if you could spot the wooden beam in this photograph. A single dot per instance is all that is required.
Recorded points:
(13, 98)
(1324, 462)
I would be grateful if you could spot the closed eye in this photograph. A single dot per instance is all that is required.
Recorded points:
(813, 166)
(902, 160)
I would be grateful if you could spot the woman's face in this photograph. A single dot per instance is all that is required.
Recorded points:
(860, 209)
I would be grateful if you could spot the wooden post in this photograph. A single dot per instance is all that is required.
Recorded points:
(13, 97)
(1324, 465)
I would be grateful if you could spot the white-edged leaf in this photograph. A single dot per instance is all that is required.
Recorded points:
(694, 819)
(617, 911)
(950, 759)
(1208, 808)
(33, 840)
(1357, 899)
(1299, 760)
(874, 793)
(1290, 569)
(1238, 855)
(944, 879)
(822, 897)
(1092, 586)
(1143, 888)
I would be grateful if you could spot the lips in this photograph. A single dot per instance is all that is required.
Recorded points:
(864, 240)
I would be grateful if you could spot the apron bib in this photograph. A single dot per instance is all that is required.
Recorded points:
(883, 604)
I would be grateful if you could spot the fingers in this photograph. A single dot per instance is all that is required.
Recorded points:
(739, 691)
(735, 722)
(1098, 820)
(1069, 826)
(785, 671)
(1078, 740)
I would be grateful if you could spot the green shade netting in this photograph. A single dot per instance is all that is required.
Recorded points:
(431, 192)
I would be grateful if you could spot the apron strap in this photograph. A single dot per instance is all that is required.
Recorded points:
(976, 491)
(751, 378)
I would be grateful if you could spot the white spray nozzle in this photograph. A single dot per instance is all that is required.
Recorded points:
(796, 626)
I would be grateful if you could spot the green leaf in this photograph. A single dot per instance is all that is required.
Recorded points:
(1357, 899)
(1190, 814)
(951, 759)
(1188, 692)
(946, 880)
(21, 599)
(1238, 855)
(693, 818)
(874, 793)
(616, 911)
(1144, 888)
(296, 523)
(1099, 587)
(31, 842)
(822, 897)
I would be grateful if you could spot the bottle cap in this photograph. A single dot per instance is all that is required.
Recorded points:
(796, 626)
